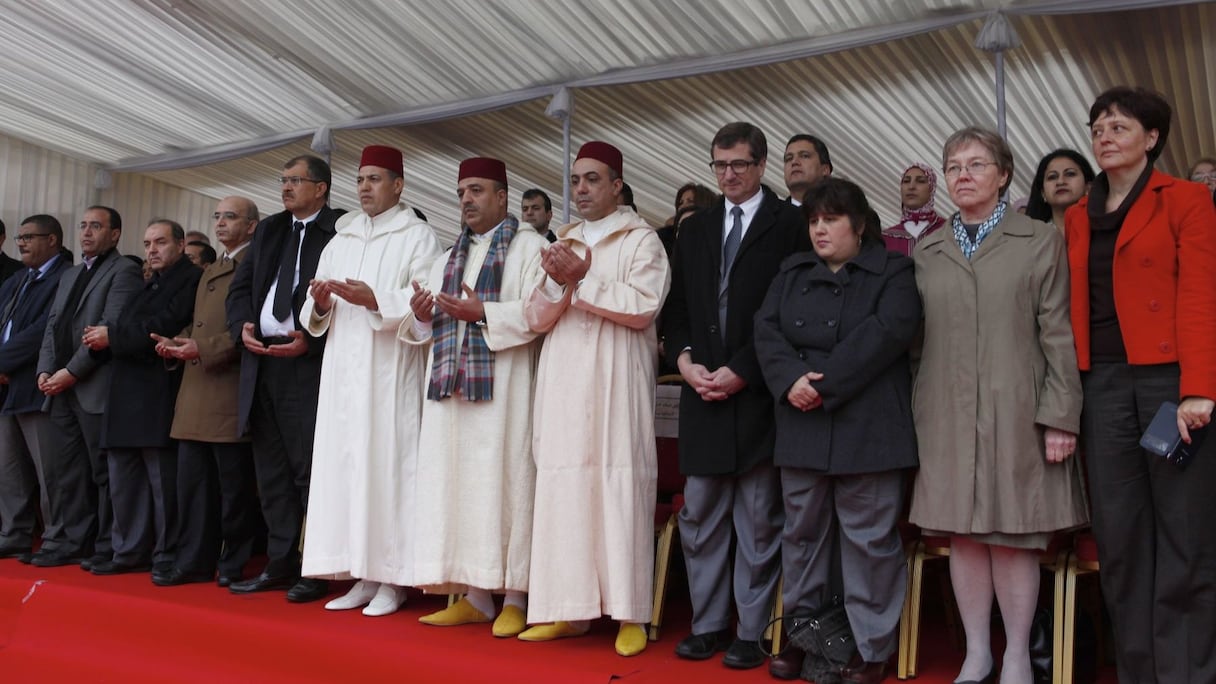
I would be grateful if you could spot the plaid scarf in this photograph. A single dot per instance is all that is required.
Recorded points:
(964, 240)
(474, 375)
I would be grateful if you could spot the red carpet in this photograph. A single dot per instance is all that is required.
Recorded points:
(62, 624)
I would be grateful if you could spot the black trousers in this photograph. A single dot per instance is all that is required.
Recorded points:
(143, 485)
(217, 507)
(282, 423)
(81, 472)
(1155, 526)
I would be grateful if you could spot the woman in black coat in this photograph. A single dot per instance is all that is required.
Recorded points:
(832, 338)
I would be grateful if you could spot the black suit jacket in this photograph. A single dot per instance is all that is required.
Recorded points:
(251, 284)
(143, 389)
(19, 356)
(9, 266)
(733, 435)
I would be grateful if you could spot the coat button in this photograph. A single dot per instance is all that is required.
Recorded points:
(806, 290)
(198, 324)
(799, 323)
(1154, 305)
(831, 323)
(211, 288)
(836, 291)
(1146, 262)
(713, 329)
(193, 362)
(802, 356)
(1164, 347)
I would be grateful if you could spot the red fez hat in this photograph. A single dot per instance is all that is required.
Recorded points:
(384, 157)
(483, 167)
(602, 152)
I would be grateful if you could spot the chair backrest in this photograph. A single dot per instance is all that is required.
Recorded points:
(667, 420)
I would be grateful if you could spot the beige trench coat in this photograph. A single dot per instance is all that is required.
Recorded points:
(996, 366)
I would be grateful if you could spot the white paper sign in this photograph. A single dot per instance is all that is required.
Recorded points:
(667, 411)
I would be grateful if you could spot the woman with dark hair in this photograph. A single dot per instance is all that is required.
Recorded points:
(997, 401)
(1142, 251)
(1062, 179)
(832, 339)
(919, 218)
(694, 195)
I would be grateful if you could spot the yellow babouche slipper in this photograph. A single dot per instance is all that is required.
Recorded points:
(555, 630)
(510, 622)
(460, 613)
(630, 639)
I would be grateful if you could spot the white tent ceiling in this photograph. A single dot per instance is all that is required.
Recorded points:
(213, 96)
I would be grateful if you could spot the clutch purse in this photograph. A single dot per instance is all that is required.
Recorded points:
(1163, 439)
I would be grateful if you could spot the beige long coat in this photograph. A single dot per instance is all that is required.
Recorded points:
(593, 436)
(997, 365)
(207, 401)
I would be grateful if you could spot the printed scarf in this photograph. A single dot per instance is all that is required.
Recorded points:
(474, 373)
(964, 240)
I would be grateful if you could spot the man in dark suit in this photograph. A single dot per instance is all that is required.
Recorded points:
(724, 260)
(217, 511)
(8, 265)
(77, 383)
(806, 161)
(281, 366)
(135, 430)
(26, 433)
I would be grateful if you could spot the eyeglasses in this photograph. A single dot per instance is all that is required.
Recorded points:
(974, 168)
(295, 181)
(26, 237)
(1203, 177)
(232, 215)
(737, 165)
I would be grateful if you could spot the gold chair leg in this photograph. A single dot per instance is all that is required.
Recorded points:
(905, 616)
(1070, 619)
(662, 566)
(1059, 574)
(773, 632)
(918, 577)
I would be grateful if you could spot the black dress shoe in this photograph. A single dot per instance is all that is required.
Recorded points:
(116, 568)
(262, 582)
(176, 576)
(96, 559)
(54, 559)
(26, 558)
(703, 646)
(14, 550)
(865, 673)
(225, 580)
(744, 655)
(308, 589)
(788, 665)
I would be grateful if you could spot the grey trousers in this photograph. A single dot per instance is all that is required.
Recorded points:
(26, 441)
(80, 470)
(1155, 526)
(747, 509)
(860, 513)
(143, 486)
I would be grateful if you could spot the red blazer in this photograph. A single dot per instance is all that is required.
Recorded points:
(1164, 280)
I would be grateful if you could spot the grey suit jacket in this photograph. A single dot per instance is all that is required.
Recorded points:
(116, 281)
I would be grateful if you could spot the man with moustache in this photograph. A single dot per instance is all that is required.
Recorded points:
(27, 437)
(476, 478)
(77, 383)
(806, 161)
(723, 264)
(281, 366)
(593, 525)
(217, 512)
(135, 430)
(370, 394)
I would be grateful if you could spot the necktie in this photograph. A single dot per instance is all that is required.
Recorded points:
(732, 241)
(287, 274)
(225, 259)
(30, 276)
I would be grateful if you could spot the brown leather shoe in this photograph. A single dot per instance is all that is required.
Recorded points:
(864, 673)
(788, 665)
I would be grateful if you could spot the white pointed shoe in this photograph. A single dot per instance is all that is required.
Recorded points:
(388, 599)
(359, 595)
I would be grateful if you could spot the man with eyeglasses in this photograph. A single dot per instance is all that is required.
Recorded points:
(281, 366)
(8, 265)
(806, 161)
(76, 382)
(722, 268)
(217, 513)
(27, 437)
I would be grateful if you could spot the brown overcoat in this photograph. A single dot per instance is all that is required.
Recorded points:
(997, 365)
(207, 400)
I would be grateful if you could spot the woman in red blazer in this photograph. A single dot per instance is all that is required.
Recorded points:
(1142, 256)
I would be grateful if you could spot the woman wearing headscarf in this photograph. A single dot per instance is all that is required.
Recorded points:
(1062, 179)
(917, 188)
(1142, 251)
(996, 400)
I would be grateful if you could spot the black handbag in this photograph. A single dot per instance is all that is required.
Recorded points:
(827, 639)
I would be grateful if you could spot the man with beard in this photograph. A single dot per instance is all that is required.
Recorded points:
(281, 367)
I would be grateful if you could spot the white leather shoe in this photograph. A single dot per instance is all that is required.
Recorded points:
(359, 595)
(388, 599)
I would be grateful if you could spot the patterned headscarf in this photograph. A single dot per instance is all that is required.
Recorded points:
(927, 212)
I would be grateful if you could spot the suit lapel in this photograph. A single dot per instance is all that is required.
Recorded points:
(102, 269)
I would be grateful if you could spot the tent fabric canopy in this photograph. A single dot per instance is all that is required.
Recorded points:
(213, 96)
